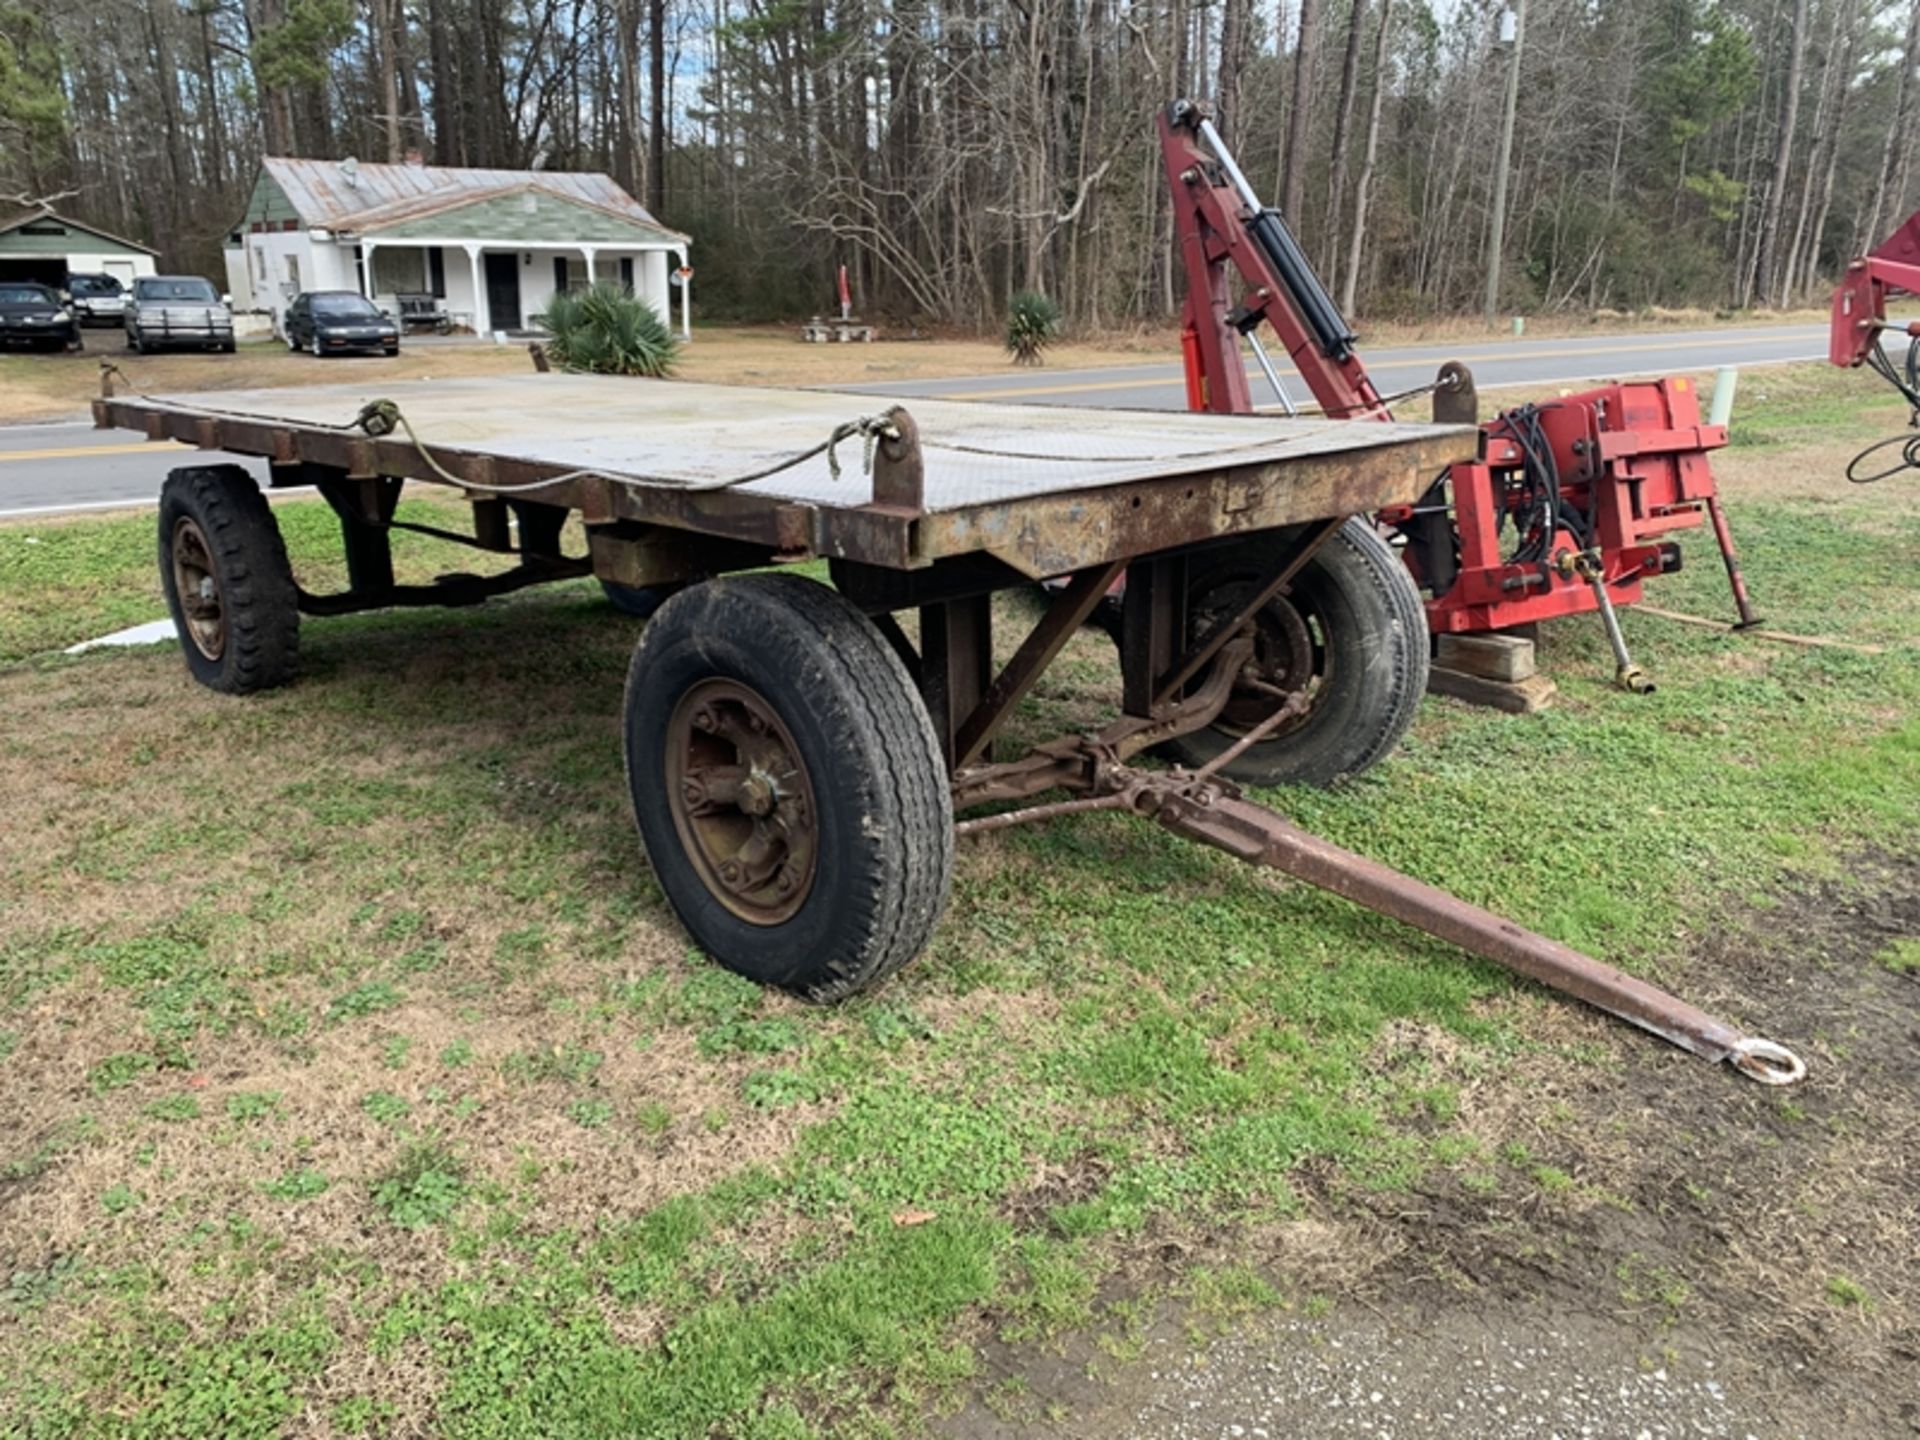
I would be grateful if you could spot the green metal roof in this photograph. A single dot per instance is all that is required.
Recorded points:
(42, 232)
(528, 214)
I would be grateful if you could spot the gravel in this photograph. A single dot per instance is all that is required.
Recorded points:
(1306, 1378)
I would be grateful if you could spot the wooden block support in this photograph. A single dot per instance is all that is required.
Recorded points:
(1491, 657)
(1518, 697)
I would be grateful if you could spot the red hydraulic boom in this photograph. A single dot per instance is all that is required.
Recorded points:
(1571, 503)
(1859, 325)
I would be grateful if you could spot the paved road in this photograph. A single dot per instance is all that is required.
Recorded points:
(69, 466)
(1494, 363)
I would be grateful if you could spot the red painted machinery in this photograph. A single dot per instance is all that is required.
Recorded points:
(1859, 325)
(1572, 502)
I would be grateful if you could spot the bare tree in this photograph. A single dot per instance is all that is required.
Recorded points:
(1765, 262)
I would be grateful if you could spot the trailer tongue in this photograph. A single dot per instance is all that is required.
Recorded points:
(795, 759)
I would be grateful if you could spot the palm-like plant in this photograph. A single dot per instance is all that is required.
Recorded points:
(1033, 323)
(606, 330)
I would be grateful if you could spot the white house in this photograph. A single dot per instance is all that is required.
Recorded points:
(493, 245)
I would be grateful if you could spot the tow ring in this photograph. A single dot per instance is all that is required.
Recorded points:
(1767, 1062)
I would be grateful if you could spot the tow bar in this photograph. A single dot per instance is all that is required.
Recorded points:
(1203, 805)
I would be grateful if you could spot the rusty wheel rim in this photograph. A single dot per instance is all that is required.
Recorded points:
(195, 581)
(1289, 656)
(742, 801)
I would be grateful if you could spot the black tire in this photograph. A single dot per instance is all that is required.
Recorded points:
(256, 606)
(228, 348)
(882, 814)
(639, 601)
(1368, 666)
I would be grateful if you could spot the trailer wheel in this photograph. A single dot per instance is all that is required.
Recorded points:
(224, 569)
(787, 784)
(1350, 631)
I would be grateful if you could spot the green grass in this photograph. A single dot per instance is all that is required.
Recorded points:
(378, 1034)
(1902, 957)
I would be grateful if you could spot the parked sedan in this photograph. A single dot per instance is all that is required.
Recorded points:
(34, 315)
(167, 310)
(332, 322)
(97, 299)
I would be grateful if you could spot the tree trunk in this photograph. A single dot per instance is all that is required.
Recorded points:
(1363, 187)
(1233, 42)
(1342, 123)
(657, 120)
(1826, 155)
(215, 139)
(1300, 117)
(448, 142)
(389, 70)
(1886, 196)
(1766, 265)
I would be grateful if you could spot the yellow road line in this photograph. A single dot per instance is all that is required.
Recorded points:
(74, 451)
(1019, 392)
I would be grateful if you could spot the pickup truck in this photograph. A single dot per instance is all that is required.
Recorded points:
(166, 310)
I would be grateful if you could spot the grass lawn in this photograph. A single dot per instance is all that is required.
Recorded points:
(359, 1081)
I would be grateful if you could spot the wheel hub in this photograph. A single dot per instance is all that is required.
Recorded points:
(742, 801)
(1287, 658)
(198, 586)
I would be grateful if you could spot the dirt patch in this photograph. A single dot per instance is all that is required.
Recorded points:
(1638, 1229)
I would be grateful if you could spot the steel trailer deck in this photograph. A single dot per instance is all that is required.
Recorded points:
(795, 756)
(1047, 491)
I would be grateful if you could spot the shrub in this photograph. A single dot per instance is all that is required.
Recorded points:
(1033, 323)
(605, 330)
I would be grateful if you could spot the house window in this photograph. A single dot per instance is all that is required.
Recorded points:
(570, 273)
(437, 272)
(260, 264)
(626, 273)
(399, 272)
(293, 274)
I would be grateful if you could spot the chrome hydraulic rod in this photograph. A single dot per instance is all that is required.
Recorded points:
(1273, 375)
(1229, 164)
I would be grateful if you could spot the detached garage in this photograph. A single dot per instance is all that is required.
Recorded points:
(45, 247)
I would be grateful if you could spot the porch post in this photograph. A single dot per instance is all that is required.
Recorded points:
(367, 248)
(686, 300)
(482, 319)
(589, 251)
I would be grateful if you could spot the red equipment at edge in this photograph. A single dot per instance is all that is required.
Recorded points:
(1860, 302)
(1595, 482)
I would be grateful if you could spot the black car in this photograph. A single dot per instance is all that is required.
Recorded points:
(328, 322)
(34, 315)
(97, 299)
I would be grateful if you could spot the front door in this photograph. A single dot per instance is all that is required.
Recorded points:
(503, 291)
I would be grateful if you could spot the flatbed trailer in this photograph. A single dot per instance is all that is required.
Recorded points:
(795, 758)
